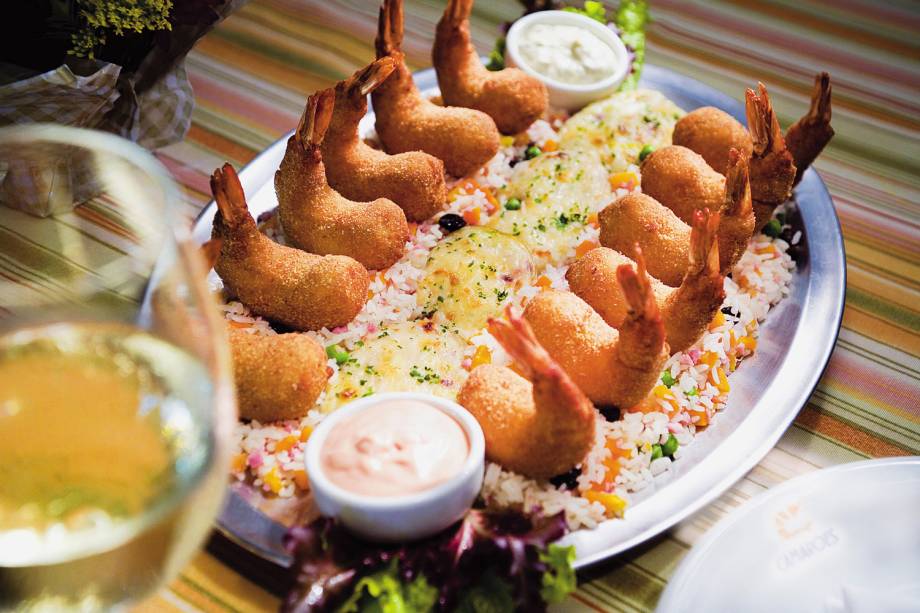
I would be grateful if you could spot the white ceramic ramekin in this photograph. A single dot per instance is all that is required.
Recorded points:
(566, 95)
(398, 518)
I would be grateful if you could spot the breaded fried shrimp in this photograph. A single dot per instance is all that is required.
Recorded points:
(807, 137)
(511, 97)
(681, 180)
(638, 218)
(712, 133)
(414, 180)
(772, 167)
(686, 310)
(277, 377)
(612, 367)
(665, 240)
(298, 289)
(464, 139)
(539, 425)
(318, 219)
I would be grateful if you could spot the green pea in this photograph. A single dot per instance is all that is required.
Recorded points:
(773, 228)
(646, 151)
(513, 204)
(670, 446)
(667, 379)
(531, 152)
(656, 451)
(338, 354)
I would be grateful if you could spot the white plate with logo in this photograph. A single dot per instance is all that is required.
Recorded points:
(844, 539)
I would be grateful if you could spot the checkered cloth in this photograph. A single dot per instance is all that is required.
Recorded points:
(104, 100)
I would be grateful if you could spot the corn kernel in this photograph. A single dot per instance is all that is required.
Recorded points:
(272, 480)
(613, 504)
(626, 179)
(718, 320)
(661, 391)
(481, 356)
(748, 342)
(709, 359)
(506, 141)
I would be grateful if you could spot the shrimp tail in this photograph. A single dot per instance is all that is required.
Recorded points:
(737, 223)
(230, 198)
(772, 168)
(457, 12)
(389, 28)
(369, 79)
(210, 251)
(704, 245)
(642, 335)
(807, 137)
(555, 394)
(315, 120)
(518, 339)
(737, 186)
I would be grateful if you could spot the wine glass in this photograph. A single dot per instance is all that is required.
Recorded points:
(116, 400)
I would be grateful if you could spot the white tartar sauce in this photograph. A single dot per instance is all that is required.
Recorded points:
(568, 54)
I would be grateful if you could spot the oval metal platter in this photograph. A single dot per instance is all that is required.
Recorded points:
(768, 390)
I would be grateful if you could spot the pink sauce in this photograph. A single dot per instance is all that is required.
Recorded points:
(395, 448)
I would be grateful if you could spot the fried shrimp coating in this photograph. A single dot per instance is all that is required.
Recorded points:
(665, 240)
(612, 367)
(807, 137)
(414, 180)
(686, 310)
(539, 425)
(277, 377)
(681, 180)
(298, 289)
(712, 133)
(464, 139)
(318, 219)
(511, 97)
(772, 167)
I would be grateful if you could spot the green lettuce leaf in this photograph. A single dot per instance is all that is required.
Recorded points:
(595, 10)
(384, 592)
(559, 579)
(490, 595)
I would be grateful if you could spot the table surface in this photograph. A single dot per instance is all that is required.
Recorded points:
(252, 74)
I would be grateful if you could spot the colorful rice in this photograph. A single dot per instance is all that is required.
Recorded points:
(694, 390)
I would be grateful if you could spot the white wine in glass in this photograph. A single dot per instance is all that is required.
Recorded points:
(116, 404)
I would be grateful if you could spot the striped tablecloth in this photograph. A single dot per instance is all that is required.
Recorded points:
(251, 76)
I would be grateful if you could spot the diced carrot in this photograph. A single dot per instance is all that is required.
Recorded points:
(626, 179)
(301, 480)
(718, 320)
(305, 434)
(613, 504)
(286, 443)
(661, 391)
(592, 220)
(239, 462)
(722, 383)
(764, 250)
(732, 362)
(482, 355)
(238, 324)
(750, 343)
(491, 199)
(703, 420)
(544, 282)
(471, 216)
(550, 145)
(584, 247)
(709, 358)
